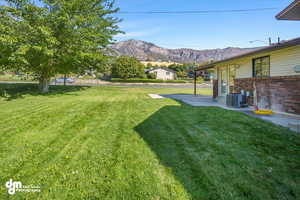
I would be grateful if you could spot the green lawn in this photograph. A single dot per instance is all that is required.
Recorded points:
(117, 143)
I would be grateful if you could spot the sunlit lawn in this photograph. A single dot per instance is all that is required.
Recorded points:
(118, 143)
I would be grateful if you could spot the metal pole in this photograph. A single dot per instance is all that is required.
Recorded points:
(195, 82)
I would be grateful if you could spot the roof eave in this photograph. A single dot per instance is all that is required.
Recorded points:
(291, 12)
(206, 67)
(287, 44)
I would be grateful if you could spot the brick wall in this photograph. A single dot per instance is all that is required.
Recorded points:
(215, 89)
(280, 93)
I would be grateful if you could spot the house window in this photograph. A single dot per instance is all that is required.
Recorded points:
(168, 73)
(261, 67)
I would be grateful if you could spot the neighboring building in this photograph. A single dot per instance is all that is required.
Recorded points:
(164, 73)
(270, 75)
(292, 12)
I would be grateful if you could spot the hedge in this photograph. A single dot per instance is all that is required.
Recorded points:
(141, 80)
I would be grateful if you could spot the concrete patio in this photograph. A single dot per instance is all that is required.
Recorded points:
(202, 100)
(289, 121)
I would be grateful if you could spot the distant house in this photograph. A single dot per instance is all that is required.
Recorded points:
(270, 76)
(292, 12)
(163, 73)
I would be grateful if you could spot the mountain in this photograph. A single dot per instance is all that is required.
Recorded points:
(146, 51)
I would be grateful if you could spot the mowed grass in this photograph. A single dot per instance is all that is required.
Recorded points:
(118, 143)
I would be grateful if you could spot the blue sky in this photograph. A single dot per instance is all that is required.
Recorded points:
(205, 31)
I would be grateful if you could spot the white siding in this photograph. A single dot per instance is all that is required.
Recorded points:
(245, 69)
(282, 63)
(163, 74)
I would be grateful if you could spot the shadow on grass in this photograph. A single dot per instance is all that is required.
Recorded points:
(15, 91)
(220, 154)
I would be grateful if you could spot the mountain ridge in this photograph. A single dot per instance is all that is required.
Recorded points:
(147, 51)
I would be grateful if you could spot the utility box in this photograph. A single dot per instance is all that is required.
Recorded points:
(235, 100)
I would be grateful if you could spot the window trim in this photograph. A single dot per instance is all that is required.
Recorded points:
(253, 66)
(230, 67)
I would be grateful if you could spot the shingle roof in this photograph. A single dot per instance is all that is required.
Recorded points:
(292, 12)
(273, 47)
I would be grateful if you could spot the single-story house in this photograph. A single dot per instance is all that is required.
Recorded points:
(269, 75)
(163, 73)
(292, 12)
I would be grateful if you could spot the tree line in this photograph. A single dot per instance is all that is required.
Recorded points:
(128, 67)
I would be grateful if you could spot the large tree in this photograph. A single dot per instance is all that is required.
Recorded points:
(49, 37)
(128, 67)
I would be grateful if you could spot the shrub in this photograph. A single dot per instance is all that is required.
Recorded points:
(182, 74)
(127, 67)
(200, 79)
(140, 80)
(151, 75)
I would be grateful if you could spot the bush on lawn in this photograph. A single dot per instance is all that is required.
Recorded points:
(151, 75)
(127, 67)
(182, 74)
(200, 79)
